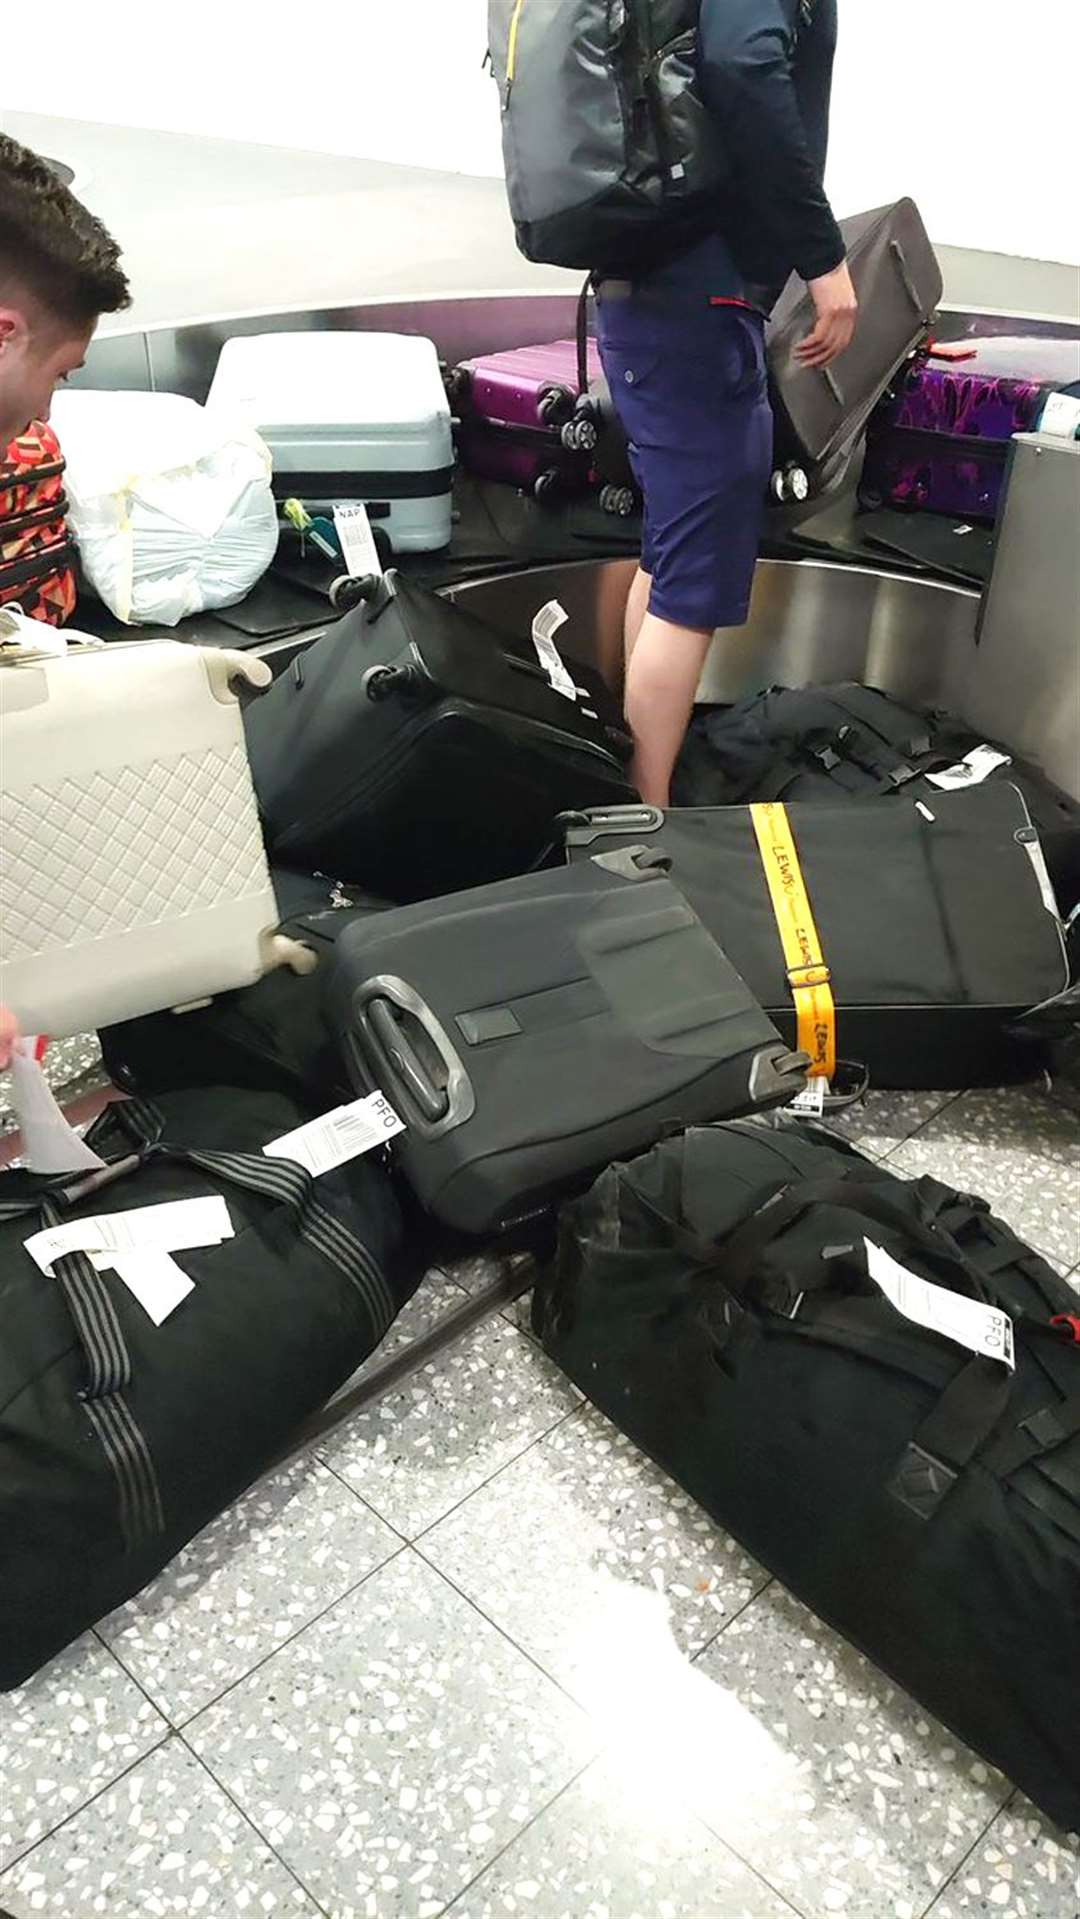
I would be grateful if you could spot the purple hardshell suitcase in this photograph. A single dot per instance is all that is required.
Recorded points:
(531, 386)
(940, 444)
(523, 419)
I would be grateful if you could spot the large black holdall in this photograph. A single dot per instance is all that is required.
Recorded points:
(835, 743)
(920, 933)
(119, 1438)
(272, 1035)
(714, 1299)
(414, 750)
(528, 1032)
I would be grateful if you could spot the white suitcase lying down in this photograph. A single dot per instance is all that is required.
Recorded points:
(349, 416)
(132, 870)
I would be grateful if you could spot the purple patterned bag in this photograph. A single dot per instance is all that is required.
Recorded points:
(941, 444)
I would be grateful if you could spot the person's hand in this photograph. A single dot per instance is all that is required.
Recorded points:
(837, 310)
(9, 1033)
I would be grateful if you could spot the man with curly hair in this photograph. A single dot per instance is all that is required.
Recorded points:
(59, 272)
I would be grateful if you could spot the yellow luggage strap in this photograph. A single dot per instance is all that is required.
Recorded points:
(808, 975)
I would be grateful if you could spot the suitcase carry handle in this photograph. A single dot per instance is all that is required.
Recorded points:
(429, 1109)
(908, 279)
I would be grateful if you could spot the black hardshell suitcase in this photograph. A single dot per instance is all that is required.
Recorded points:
(272, 1035)
(836, 743)
(414, 750)
(936, 924)
(531, 1031)
(821, 412)
(714, 1299)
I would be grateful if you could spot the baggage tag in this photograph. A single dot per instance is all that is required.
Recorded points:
(810, 1103)
(339, 1136)
(358, 546)
(1061, 417)
(972, 770)
(984, 1330)
(173, 1226)
(544, 628)
(155, 1280)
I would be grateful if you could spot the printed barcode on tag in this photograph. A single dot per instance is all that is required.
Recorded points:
(341, 1135)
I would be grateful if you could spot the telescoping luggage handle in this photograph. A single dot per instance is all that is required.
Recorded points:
(97, 1326)
(428, 1080)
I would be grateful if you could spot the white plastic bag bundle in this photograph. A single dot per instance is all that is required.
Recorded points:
(171, 506)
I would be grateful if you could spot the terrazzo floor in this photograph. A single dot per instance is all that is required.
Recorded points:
(475, 1655)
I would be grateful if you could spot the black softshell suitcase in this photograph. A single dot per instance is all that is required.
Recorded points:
(272, 1035)
(119, 1438)
(714, 1299)
(821, 412)
(414, 751)
(531, 1031)
(835, 743)
(935, 923)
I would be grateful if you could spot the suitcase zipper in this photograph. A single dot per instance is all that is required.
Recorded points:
(511, 51)
(338, 809)
(46, 561)
(939, 438)
(16, 475)
(14, 523)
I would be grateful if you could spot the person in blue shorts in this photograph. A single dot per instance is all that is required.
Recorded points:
(683, 352)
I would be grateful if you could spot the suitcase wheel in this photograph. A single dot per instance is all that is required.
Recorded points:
(618, 500)
(790, 484)
(547, 485)
(554, 405)
(579, 435)
(458, 384)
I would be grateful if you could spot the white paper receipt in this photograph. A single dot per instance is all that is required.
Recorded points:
(544, 628)
(358, 546)
(171, 1227)
(338, 1136)
(970, 771)
(984, 1330)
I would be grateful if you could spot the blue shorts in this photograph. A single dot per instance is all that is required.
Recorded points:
(688, 383)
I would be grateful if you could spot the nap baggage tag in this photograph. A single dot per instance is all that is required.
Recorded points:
(358, 546)
(49, 1143)
(544, 628)
(339, 1136)
(983, 1329)
(972, 770)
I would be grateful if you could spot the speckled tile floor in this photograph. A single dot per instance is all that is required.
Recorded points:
(479, 1657)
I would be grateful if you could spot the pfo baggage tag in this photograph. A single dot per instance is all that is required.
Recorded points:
(358, 546)
(983, 1329)
(339, 1136)
(811, 1101)
(544, 628)
(972, 770)
(173, 1226)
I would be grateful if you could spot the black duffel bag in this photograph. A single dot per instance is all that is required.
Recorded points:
(831, 743)
(120, 1439)
(713, 1297)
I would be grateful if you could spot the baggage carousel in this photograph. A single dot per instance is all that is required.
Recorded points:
(826, 605)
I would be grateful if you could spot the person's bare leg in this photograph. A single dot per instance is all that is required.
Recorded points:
(661, 681)
(637, 605)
